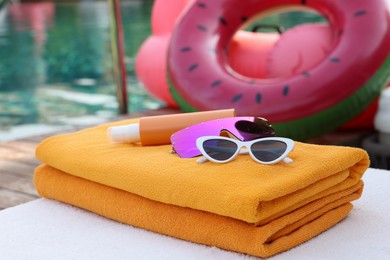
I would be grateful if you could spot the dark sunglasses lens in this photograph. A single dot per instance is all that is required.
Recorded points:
(219, 150)
(268, 150)
(256, 129)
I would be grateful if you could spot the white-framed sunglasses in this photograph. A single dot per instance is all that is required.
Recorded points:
(268, 150)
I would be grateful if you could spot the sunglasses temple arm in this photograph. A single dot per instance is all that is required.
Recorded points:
(202, 160)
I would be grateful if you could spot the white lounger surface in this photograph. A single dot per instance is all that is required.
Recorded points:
(45, 229)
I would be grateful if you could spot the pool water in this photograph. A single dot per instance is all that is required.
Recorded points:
(56, 67)
(56, 63)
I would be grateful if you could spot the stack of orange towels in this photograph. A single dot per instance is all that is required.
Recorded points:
(242, 206)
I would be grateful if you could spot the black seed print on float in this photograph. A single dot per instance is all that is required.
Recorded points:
(258, 98)
(222, 21)
(193, 67)
(216, 83)
(286, 90)
(237, 98)
(252, 81)
(201, 28)
(360, 13)
(334, 59)
(201, 5)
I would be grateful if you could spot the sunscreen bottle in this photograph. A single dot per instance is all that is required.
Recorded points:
(157, 130)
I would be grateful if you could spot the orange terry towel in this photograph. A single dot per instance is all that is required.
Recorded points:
(242, 189)
(198, 226)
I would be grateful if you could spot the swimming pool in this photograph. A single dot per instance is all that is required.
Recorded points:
(56, 63)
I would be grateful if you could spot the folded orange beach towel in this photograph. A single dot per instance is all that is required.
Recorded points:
(198, 226)
(242, 189)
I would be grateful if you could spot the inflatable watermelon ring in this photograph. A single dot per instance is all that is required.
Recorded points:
(300, 106)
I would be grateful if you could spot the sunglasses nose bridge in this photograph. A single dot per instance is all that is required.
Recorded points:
(243, 149)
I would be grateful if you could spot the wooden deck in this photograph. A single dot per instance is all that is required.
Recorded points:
(17, 163)
(17, 160)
